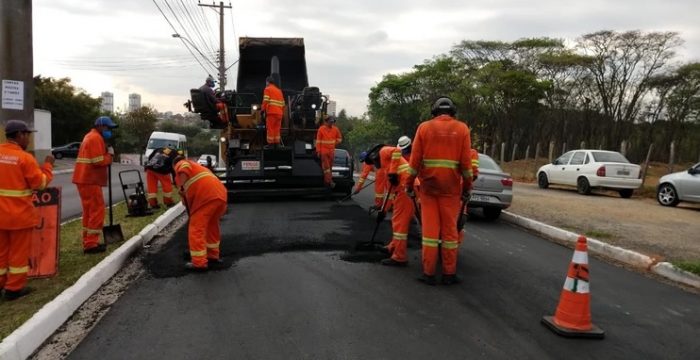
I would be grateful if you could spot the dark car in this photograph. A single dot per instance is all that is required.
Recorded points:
(67, 150)
(342, 172)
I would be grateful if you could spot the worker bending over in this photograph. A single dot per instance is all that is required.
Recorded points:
(159, 169)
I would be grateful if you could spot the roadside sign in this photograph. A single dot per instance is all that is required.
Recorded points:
(13, 94)
(43, 256)
(250, 165)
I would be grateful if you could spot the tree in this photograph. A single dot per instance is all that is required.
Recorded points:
(135, 129)
(73, 112)
(369, 132)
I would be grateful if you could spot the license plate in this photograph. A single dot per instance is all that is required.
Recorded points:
(336, 173)
(250, 165)
(623, 172)
(480, 198)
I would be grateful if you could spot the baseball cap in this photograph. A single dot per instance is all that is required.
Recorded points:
(14, 126)
(105, 121)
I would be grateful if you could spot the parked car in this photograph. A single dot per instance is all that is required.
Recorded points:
(67, 150)
(679, 186)
(203, 160)
(342, 171)
(493, 189)
(588, 169)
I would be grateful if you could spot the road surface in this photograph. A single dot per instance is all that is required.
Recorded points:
(294, 293)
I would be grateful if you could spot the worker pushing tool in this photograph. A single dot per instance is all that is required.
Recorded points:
(440, 157)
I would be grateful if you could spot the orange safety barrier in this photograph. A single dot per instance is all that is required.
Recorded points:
(573, 315)
(43, 254)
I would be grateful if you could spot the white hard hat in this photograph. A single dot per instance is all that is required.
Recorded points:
(404, 142)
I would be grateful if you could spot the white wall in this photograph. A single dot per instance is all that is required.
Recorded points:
(42, 138)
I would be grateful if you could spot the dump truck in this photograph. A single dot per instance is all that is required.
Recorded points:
(252, 167)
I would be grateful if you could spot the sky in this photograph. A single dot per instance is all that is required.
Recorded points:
(126, 46)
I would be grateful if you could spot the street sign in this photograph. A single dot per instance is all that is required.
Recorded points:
(43, 255)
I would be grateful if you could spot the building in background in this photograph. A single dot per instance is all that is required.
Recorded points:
(134, 102)
(331, 108)
(107, 102)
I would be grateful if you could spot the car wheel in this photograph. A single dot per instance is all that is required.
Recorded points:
(58, 155)
(626, 193)
(542, 181)
(666, 195)
(492, 213)
(582, 186)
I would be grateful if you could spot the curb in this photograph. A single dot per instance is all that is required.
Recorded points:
(31, 335)
(64, 171)
(629, 257)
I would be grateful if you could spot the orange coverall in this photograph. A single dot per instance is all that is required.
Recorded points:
(379, 183)
(327, 138)
(441, 158)
(403, 205)
(163, 175)
(18, 216)
(273, 106)
(205, 197)
(90, 176)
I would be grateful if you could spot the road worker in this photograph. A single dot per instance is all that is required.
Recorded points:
(273, 110)
(440, 158)
(20, 175)
(403, 210)
(159, 169)
(327, 137)
(90, 176)
(404, 144)
(205, 198)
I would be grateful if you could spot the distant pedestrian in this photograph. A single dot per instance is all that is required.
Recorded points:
(20, 175)
(273, 111)
(328, 137)
(90, 176)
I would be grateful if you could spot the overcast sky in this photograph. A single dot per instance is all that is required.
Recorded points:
(126, 46)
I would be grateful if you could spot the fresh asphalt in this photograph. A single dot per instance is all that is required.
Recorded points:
(294, 292)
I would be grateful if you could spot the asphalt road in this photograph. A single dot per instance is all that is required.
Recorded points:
(70, 201)
(294, 293)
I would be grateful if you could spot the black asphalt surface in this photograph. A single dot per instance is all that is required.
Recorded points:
(292, 294)
(70, 201)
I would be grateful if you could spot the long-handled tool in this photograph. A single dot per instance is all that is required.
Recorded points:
(112, 233)
(350, 195)
(462, 218)
(381, 215)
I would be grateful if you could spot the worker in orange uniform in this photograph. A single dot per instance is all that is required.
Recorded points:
(272, 111)
(398, 177)
(327, 137)
(159, 169)
(379, 181)
(205, 198)
(440, 158)
(90, 176)
(20, 175)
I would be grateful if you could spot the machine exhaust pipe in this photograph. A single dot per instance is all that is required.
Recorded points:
(275, 71)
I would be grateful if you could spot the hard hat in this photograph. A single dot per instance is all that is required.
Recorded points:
(363, 156)
(404, 142)
(443, 105)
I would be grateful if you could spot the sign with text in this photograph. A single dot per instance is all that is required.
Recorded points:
(13, 94)
(43, 256)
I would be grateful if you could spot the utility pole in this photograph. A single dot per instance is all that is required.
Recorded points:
(16, 62)
(222, 59)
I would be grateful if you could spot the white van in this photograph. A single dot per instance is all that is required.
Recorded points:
(160, 139)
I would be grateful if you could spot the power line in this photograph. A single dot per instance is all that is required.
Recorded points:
(206, 22)
(233, 27)
(195, 28)
(185, 31)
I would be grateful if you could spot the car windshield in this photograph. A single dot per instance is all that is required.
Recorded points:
(613, 157)
(161, 143)
(486, 162)
(340, 157)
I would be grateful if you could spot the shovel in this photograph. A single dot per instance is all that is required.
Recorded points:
(112, 233)
(362, 188)
(463, 218)
(381, 214)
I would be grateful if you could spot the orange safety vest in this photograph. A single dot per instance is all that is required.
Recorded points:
(20, 175)
(475, 162)
(92, 161)
(399, 166)
(441, 156)
(366, 169)
(202, 187)
(273, 100)
(327, 138)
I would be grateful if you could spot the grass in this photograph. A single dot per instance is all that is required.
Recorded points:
(592, 233)
(690, 266)
(72, 265)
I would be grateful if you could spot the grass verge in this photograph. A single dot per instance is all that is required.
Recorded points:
(690, 266)
(72, 265)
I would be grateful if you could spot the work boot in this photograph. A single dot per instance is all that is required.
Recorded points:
(190, 267)
(392, 262)
(216, 264)
(451, 279)
(96, 250)
(16, 294)
(428, 279)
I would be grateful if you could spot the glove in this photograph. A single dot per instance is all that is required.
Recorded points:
(410, 192)
(394, 179)
(110, 150)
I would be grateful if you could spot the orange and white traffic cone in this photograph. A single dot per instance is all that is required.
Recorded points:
(573, 315)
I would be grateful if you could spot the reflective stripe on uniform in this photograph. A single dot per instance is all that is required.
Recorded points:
(44, 182)
(15, 193)
(430, 242)
(168, 194)
(378, 195)
(403, 168)
(326, 142)
(440, 163)
(400, 236)
(152, 196)
(577, 286)
(198, 253)
(194, 179)
(395, 155)
(447, 244)
(92, 231)
(327, 170)
(468, 173)
(412, 171)
(19, 270)
(213, 246)
(3, 271)
(183, 165)
(475, 163)
(90, 160)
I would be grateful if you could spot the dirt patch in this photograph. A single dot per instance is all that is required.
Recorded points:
(639, 224)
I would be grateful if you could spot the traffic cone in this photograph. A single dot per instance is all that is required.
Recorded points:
(573, 315)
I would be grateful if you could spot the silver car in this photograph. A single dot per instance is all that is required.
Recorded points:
(680, 186)
(493, 189)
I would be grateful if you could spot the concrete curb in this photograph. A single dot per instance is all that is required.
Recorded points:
(65, 171)
(32, 334)
(667, 270)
